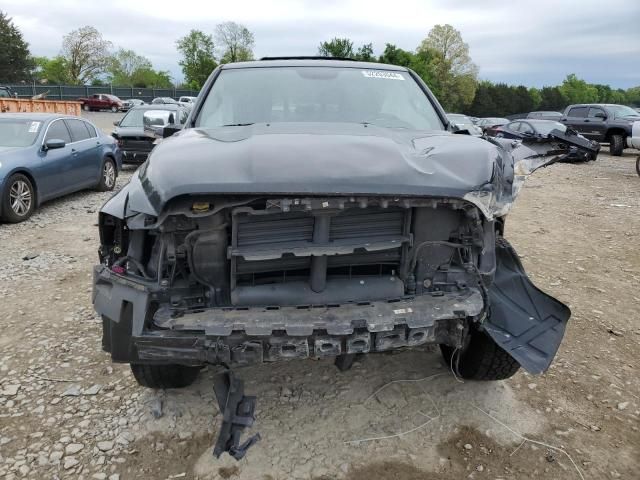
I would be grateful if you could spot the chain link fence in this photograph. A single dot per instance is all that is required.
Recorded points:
(73, 92)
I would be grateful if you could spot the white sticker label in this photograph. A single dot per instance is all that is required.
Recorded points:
(34, 127)
(382, 74)
(402, 311)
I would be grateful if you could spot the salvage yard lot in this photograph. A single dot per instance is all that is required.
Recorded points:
(67, 412)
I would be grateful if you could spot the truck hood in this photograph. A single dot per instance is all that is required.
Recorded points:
(308, 159)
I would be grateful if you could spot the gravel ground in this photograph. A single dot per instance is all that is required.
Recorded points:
(67, 412)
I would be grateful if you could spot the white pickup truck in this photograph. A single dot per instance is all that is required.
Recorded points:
(634, 140)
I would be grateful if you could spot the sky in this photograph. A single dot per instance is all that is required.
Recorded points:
(533, 43)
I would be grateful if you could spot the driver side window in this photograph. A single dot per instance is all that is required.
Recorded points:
(58, 131)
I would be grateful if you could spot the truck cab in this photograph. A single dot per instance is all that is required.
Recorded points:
(603, 123)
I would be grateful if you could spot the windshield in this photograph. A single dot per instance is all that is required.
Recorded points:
(134, 118)
(318, 94)
(623, 111)
(18, 132)
(544, 128)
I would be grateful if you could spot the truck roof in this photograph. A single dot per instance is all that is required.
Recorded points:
(310, 62)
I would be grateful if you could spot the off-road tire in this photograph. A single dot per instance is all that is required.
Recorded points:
(481, 359)
(164, 376)
(616, 145)
(104, 185)
(8, 213)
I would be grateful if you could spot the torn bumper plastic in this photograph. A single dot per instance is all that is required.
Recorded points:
(523, 320)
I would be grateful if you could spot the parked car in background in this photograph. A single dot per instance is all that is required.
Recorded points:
(462, 122)
(44, 156)
(163, 101)
(187, 99)
(531, 128)
(101, 101)
(489, 124)
(6, 92)
(133, 140)
(130, 103)
(545, 115)
(605, 123)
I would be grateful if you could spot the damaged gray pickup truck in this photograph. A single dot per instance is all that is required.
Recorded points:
(321, 208)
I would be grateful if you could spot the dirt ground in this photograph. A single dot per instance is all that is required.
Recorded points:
(67, 412)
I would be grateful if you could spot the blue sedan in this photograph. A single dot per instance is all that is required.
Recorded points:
(44, 156)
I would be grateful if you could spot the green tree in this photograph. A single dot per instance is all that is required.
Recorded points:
(484, 102)
(552, 99)
(633, 96)
(454, 75)
(150, 78)
(365, 53)
(51, 70)
(536, 97)
(198, 60)
(86, 54)
(337, 47)
(236, 42)
(396, 56)
(15, 60)
(577, 90)
(124, 64)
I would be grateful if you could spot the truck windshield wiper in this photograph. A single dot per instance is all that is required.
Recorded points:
(238, 124)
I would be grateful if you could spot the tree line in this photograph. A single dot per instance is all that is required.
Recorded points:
(442, 60)
(87, 58)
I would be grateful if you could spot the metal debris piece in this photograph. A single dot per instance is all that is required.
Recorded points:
(237, 414)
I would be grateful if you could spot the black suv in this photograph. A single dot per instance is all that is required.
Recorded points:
(602, 122)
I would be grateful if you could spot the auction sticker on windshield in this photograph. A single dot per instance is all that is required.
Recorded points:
(34, 127)
(382, 74)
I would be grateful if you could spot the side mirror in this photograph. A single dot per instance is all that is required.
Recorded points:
(53, 143)
(170, 129)
(116, 123)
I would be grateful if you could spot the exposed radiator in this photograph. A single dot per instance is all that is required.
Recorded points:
(279, 244)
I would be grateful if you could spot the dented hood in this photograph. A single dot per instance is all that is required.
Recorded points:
(331, 159)
(334, 159)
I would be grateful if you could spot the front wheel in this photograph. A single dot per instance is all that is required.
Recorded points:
(114, 109)
(86, 107)
(164, 376)
(481, 359)
(18, 199)
(108, 176)
(616, 145)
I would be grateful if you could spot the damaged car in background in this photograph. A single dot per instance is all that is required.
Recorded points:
(320, 208)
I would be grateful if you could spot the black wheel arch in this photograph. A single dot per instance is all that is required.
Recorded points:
(615, 131)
